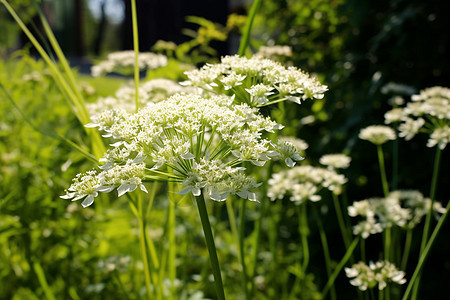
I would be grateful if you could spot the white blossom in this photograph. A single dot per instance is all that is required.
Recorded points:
(379, 273)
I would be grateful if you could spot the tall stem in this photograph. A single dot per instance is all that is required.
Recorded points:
(172, 240)
(384, 181)
(248, 27)
(242, 245)
(406, 249)
(136, 52)
(425, 252)
(211, 246)
(339, 267)
(144, 250)
(426, 229)
(326, 250)
(344, 230)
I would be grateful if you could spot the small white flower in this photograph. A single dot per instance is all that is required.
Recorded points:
(380, 273)
(335, 161)
(377, 134)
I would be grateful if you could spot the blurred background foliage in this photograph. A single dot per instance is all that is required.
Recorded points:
(355, 47)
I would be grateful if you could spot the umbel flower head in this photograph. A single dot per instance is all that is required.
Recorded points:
(256, 81)
(380, 273)
(303, 183)
(377, 134)
(429, 112)
(198, 142)
(335, 161)
(124, 61)
(402, 208)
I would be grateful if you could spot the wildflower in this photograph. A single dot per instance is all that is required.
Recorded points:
(377, 134)
(378, 214)
(256, 81)
(303, 183)
(429, 112)
(380, 273)
(440, 136)
(410, 127)
(125, 60)
(198, 142)
(335, 161)
(273, 52)
(418, 205)
(393, 116)
(402, 208)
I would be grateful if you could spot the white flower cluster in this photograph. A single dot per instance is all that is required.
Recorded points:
(196, 141)
(377, 134)
(154, 90)
(303, 183)
(126, 178)
(256, 81)
(274, 52)
(401, 208)
(124, 60)
(428, 112)
(335, 161)
(380, 273)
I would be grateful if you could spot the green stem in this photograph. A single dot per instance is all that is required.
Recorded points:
(427, 225)
(425, 253)
(211, 246)
(363, 249)
(256, 243)
(144, 250)
(406, 249)
(344, 231)
(326, 250)
(172, 239)
(384, 181)
(387, 243)
(248, 27)
(303, 250)
(304, 232)
(136, 52)
(339, 267)
(242, 246)
(43, 281)
(395, 164)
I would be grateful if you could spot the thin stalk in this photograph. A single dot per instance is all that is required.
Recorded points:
(304, 232)
(304, 249)
(344, 231)
(406, 249)
(70, 88)
(363, 249)
(43, 281)
(395, 164)
(326, 250)
(256, 243)
(384, 181)
(339, 267)
(242, 246)
(387, 243)
(97, 143)
(235, 233)
(172, 239)
(211, 246)
(248, 27)
(136, 52)
(144, 251)
(426, 229)
(425, 252)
